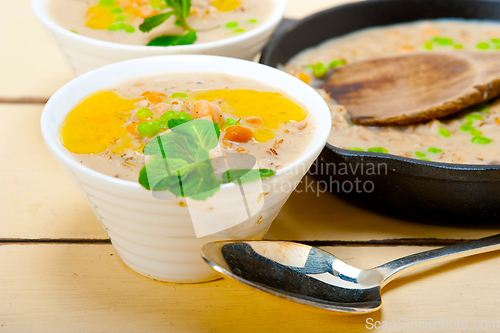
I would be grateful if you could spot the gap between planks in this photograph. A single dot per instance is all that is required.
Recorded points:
(24, 100)
(318, 243)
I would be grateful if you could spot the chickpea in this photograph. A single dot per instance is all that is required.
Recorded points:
(201, 109)
(204, 108)
(238, 134)
(161, 107)
(143, 104)
(217, 116)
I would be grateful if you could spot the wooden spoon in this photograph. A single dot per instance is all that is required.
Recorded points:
(414, 88)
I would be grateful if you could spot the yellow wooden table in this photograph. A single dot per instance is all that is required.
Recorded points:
(59, 273)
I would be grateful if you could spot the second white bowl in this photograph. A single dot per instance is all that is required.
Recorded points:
(85, 54)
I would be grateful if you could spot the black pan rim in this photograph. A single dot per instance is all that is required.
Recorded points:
(436, 165)
(271, 47)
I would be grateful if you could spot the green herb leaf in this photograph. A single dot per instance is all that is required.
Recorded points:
(171, 145)
(444, 132)
(152, 22)
(173, 40)
(181, 161)
(182, 9)
(434, 150)
(246, 175)
(337, 63)
(378, 150)
(198, 133)
(186, 4)
(419, 154)
(198, 181)
(176, 122)
(158, 4)
(156, 174)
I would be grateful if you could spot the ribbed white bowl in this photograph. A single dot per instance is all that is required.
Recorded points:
(85, 54)
(158, 237)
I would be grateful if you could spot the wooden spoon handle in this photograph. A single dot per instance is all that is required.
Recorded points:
(413, 88)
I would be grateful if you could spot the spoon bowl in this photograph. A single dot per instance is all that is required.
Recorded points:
(296, 272)
(311, 276)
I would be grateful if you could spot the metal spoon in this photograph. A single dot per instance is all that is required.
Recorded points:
(312, 276)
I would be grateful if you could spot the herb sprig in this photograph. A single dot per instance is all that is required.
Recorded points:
(180, 9)
(181, 161)
(172, 40)
(152, 22)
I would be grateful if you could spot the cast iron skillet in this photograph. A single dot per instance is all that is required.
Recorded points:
(409, 189)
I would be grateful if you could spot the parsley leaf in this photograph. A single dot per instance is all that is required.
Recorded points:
(173, 40)
(198, 181)
(176, 122)
(157, 175)
(246, 175)
(171, 145)
(181, 161)
(198, 132)
(182, 9)
(152, 22)
(158, 4)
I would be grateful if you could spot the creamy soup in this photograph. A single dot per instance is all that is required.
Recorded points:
(470, 137)
(120, 21)
(115, 131)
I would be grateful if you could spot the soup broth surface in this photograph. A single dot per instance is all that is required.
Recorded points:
(118, 21)
(103, 131)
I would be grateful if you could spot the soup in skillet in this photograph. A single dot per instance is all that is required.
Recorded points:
(470, 137)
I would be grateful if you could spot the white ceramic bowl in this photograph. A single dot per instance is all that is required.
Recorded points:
(84, 53)
(155, 237)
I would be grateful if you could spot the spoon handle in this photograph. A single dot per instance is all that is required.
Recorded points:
(393, 269)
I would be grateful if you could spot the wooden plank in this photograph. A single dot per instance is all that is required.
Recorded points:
(86, 288)
(37, 200)
(30, 63)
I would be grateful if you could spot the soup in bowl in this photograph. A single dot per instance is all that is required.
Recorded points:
(94, 33)
(174, 152)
